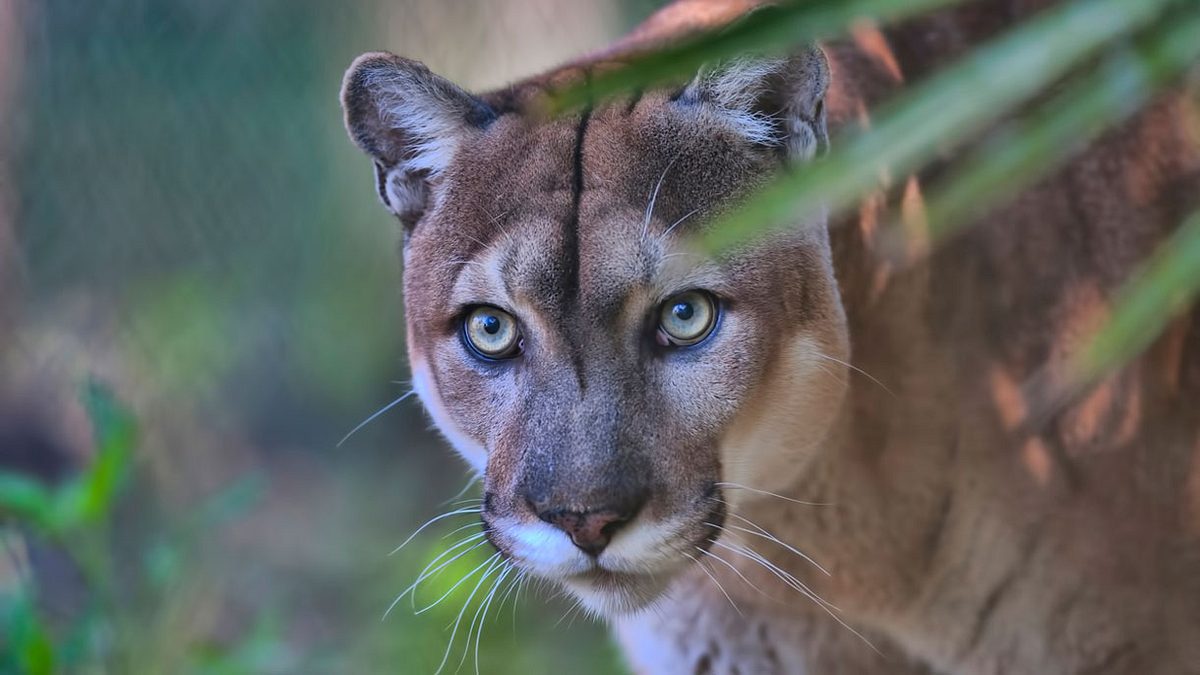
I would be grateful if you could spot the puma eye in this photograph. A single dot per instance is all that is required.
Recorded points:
(686, 319)
(491, 333)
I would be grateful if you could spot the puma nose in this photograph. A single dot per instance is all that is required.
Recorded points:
(589, 530)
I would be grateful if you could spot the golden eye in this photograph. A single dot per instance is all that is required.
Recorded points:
(687, 318)
(492, 333)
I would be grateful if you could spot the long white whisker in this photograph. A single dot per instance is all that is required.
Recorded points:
(676, 223)
(468, 575)
(516, 581)
(714, 580)
(654, 197)
(575, 605)
(450, 514)
(782, 574)
(491, 562)
(487, 603)
(796, 584)
(770, 537)
(470, 483)
(736, 486)
(736, 571)
(829, 372)
(858, 370)
(583, 611)
(426, 573)
(477, 240)
(463, 263)
(465, 541)
(460, 529)
(523, 585)
(379, 412)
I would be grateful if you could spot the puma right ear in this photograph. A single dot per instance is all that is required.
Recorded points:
(772, 101)
(410, 122)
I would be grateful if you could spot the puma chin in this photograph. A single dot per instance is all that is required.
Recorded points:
(608, 382)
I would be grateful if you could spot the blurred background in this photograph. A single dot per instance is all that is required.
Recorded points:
(199, 297)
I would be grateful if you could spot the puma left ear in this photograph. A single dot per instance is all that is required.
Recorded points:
(775, 101)
(410, 122)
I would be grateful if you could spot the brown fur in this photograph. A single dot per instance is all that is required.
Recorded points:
(960, 537)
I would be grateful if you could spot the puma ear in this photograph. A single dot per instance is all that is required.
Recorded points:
(774, 101)
(410, 122)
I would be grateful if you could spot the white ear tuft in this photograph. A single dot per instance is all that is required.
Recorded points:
(411, 122)
(770, 101)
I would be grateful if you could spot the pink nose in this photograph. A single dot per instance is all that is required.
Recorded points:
(591, 530)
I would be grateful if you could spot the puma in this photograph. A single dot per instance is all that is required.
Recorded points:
(801, 456)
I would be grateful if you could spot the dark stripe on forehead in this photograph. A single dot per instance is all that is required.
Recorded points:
(571, 242)
(571, 227)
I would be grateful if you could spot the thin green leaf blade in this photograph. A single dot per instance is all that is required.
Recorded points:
(89, 497)
(1032, 147)
(767, 30)
(937, 114)
(25, 499)
(1166, 287)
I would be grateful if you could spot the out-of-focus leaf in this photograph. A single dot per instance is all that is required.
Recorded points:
(88, 498)
(162, 562)
(770, 29)
(940, 113)
(262, 650)
(113, 425)
(1166, 287)
(25, 499)
(26, 642)
(179, 327)
(229, 502)
(1033, 146)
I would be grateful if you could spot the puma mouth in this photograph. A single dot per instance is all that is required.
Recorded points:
(609, 593)
(629, 571)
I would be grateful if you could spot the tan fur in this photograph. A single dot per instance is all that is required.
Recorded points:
(959, 536)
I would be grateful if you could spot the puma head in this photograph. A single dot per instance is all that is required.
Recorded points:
(606, 380)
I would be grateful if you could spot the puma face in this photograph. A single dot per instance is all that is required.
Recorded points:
(605, 379)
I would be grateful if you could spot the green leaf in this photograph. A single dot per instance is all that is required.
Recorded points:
(1165, 288)
(26, 641)
(113, 425)
(230, 502)
(88, 498)
(939, 113)
(1031, 147)
(26, 499)
(767, 30)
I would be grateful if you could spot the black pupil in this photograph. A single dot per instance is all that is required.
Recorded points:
(683, 311)
(491, 324)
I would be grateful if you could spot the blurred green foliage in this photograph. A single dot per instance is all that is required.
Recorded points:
(87, 499)
(125, 624)
(74, 515)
